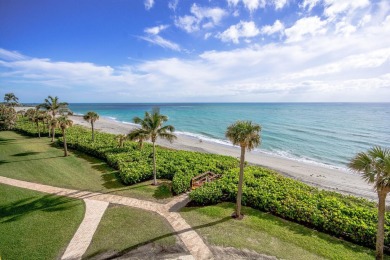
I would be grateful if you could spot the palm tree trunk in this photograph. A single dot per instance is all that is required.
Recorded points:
(53, 134)
(48, 128)
(154, 165)
(93, 132)
(65, 147)
(39, 132)
(240, 182)
(380, 236)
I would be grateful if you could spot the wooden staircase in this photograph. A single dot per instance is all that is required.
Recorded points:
(200, 179)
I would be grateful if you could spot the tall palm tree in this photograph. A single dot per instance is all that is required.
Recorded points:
(247, 136)
(120, 139)
(91, 117)
(152, 128)
(374, 166)
(138, 135)
(53, 105)
(64, 122)
(11, 99)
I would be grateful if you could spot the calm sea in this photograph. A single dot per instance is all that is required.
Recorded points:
(321, 133)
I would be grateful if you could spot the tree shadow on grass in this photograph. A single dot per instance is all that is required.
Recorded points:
(129, 249)
(163, 191)
(48, 203)
(25, 154)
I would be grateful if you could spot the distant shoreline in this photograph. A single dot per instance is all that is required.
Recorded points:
(316, 175)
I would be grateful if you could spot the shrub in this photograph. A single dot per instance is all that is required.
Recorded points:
(344, 216)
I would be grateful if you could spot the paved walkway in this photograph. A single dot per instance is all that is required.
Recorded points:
(94, 211)
(191, 239)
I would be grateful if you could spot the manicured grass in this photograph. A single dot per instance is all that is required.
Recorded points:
(37, 160)
(268, 234)
(123, 229)
(34, 225)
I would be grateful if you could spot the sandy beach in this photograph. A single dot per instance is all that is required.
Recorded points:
(316, 175)
(323, 177)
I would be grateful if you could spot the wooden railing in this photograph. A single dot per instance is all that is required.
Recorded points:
(199, 180)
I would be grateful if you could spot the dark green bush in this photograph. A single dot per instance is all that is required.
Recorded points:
(343, 216)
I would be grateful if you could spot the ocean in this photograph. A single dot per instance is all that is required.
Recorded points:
(328, 134)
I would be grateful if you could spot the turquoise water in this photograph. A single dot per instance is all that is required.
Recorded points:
(324, 133)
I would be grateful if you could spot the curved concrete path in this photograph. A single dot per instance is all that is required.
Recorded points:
(191, 239)
(94, 211)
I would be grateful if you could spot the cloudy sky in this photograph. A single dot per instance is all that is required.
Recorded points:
(196, 51)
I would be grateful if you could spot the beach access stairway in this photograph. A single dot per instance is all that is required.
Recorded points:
(200, 179)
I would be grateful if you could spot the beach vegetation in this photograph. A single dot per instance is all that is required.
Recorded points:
(246, 135)
(121, 138)
(374, 166)
(40, 161)
(10, 99)
(152, 127)
(91, 117)
(63, 123)
(348, 217)
(8, 117)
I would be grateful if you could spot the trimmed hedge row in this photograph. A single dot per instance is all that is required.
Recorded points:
(135, 165)
(349, 217)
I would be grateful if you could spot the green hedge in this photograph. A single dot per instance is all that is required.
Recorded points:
(349, 217)
(135, 165)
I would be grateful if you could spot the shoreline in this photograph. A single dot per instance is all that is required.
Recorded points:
(316, 175)
(322, 177)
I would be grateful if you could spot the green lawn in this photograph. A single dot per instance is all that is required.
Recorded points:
(268, 234)
(123, 229)
(34, 225)
(36, 160)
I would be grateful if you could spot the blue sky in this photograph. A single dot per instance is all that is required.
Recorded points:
(196, 51)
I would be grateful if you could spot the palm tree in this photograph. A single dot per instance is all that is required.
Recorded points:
(46, 119)
(11, 99)
(374, 166)
(91, 117)
(138, 135)
(152, 128)
(53, 105)
(64, 123)
(37, 117)
(247, 136)
(53, 123)
(120, 139)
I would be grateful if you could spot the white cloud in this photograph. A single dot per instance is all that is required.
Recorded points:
(173, 4)
(204, 17)
(251, 5)
(271, 29)
(154, 38)
(148, 4)
(156, 30)
(279, 4)
(335, 7)
(307, 26)
(344, 27)
(160, 41)
(10, 55)
(326, 66)
(240, 30)
(309, 4)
